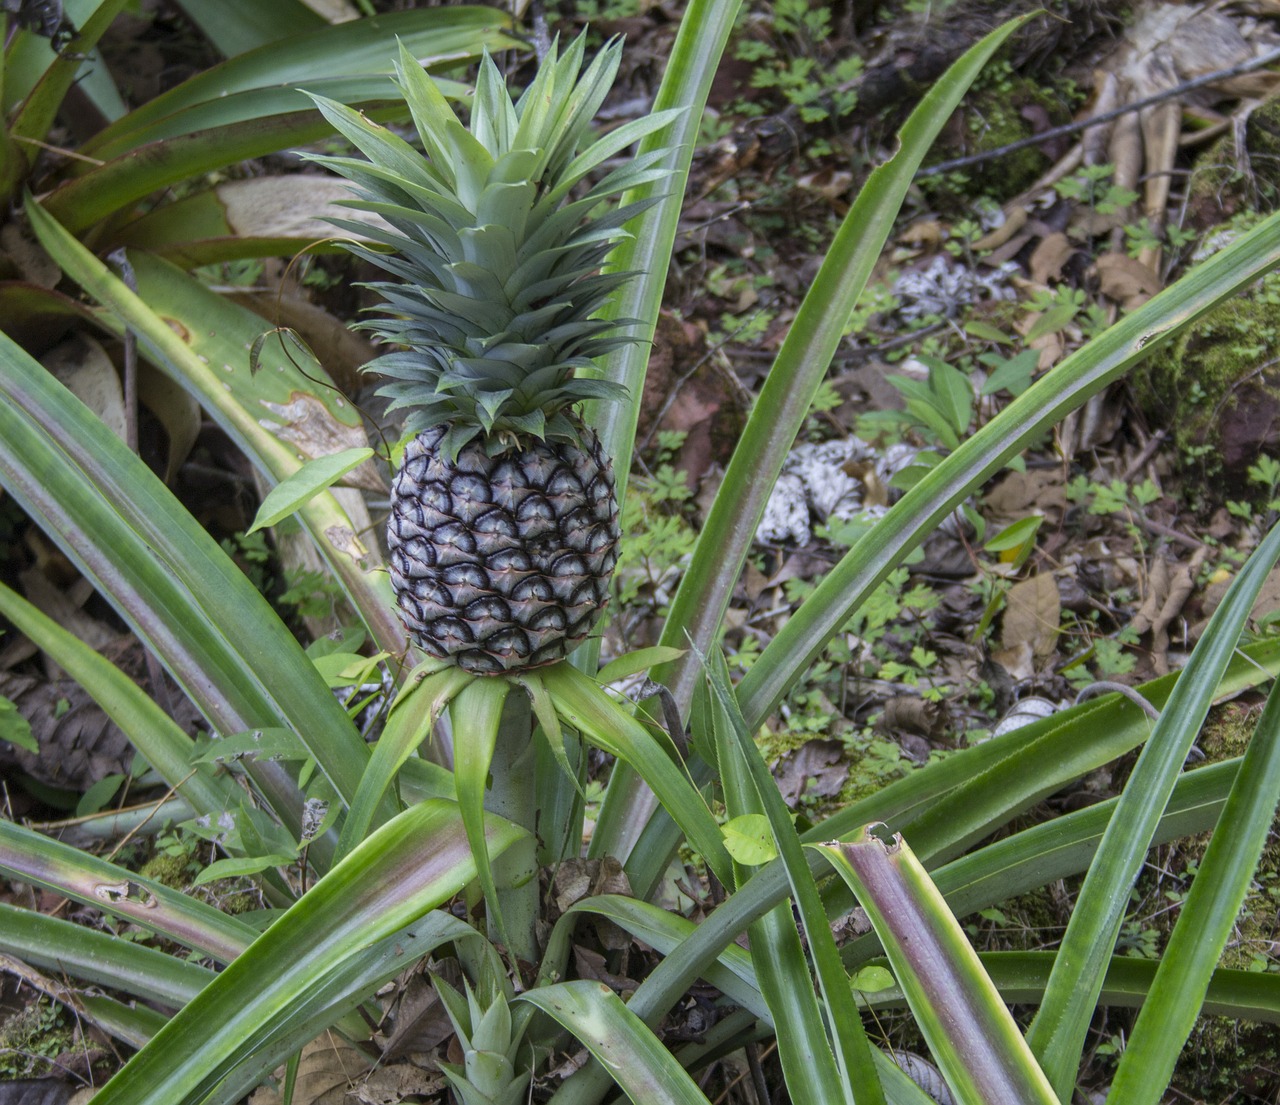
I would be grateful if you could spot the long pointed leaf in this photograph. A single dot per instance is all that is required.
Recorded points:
(1205, 921)
(211, 627)
(970, 1031)
(624, 1046)
(410, 866)
(582, 703)
(785, 399)
(412, 717)
(33, 858)
(98, 957)
(476, 715)
(273, 415)
(1058, 1032)
(823, 1062)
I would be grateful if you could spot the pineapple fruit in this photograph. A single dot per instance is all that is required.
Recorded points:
(504, 522)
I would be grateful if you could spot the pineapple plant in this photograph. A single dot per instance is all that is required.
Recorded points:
(503, 531)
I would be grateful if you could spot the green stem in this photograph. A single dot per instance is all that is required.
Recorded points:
(513, 794)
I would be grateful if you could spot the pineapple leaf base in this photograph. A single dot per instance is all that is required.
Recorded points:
(502, 563)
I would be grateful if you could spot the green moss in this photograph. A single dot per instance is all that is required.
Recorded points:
(1223, 182)
(172, 870)
(32, 1038)
(1210, 373)
(992, 117)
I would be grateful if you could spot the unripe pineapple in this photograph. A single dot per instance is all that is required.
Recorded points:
(504, 523)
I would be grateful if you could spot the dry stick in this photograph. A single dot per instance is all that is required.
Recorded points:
(154, 810)
(1107, 687)
(1107, 116)
(120, 259)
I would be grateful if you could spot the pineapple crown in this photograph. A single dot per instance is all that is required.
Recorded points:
(499, 266)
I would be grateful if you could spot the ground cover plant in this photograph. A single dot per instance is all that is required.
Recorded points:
(475, 890)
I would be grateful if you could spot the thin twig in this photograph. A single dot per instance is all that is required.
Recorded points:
(155, 809)
(1107, 687)
(1106, 117)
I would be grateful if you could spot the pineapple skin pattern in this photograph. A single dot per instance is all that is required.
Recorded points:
(502, 563)
(503, 532)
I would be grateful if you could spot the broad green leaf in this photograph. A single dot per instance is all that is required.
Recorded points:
(971, 1033)
(98, 795)
(1016, 535)
(16, 729)
(349, 669)
(872, 980)
(305, 484)
(633, 663)
(748, 840)
(623, 1045)
(234, 868)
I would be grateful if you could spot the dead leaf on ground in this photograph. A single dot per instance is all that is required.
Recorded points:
(819, 760)
(1017, 662)
(419, 1020)
(1035, 491)
(392, 1083)
(591, 965)
(306, 424)
(82, 366)
(330, 1068)
(1126, 280)
(1031, 614)
(912, 714)
(1050, 258)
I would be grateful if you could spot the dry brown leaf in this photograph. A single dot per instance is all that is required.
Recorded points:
(911, 714)
(1035, 491)
(1031, 615)
(819, 760)
(923, 232)
(327, 1072)
(1014, 221)
(1124, 279)
(1018, 661)
(293, 206)
(392, 1083)
(1049, 258)
(85, 370)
